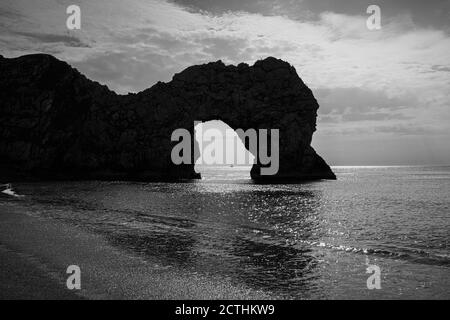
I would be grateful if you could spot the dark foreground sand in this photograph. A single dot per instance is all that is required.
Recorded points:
(35, 253)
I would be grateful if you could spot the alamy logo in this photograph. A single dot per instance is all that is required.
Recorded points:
(74, 20)
(216, 149)
(374, 20)
(74, 280)
(374, 280)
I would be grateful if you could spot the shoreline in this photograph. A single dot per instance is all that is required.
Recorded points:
(35, 253)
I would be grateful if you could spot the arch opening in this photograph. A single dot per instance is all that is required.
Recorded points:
(222, 154)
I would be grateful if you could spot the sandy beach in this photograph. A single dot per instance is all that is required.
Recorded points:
(35, 253)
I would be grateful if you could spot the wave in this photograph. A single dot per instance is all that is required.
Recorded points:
(413, 255)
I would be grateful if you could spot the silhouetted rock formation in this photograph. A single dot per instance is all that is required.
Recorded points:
(56, 123)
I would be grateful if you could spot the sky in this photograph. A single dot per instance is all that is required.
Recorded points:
(384, 94)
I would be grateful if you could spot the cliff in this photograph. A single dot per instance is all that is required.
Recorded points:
(55, 123)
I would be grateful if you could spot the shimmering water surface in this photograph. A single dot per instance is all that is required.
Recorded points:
(310, 240)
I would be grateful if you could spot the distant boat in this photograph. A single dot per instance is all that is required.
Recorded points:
(8, 190)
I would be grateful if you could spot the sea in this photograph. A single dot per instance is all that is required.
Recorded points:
(374, 233)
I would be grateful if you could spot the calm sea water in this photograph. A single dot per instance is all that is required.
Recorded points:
(310, 240)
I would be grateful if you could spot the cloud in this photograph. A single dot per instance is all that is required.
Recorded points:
(294, 9)
(410, 129)
(332, 50)
(336, 100)
(5, 13)
(374, 116)
(67, 40)
(440, 68)
(129, 73)
(228, 48)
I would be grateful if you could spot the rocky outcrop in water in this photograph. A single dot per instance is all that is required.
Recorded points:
(56, 123)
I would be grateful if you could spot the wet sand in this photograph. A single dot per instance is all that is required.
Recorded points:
(22, 279)
(35, 253)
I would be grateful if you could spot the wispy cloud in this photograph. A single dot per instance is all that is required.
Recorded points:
(67, 40)
(440, 68)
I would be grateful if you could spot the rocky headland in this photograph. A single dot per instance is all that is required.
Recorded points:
(57, 124)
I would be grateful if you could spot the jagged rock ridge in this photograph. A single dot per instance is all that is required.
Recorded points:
(56, 123)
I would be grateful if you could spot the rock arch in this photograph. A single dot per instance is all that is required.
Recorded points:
(59, 123)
